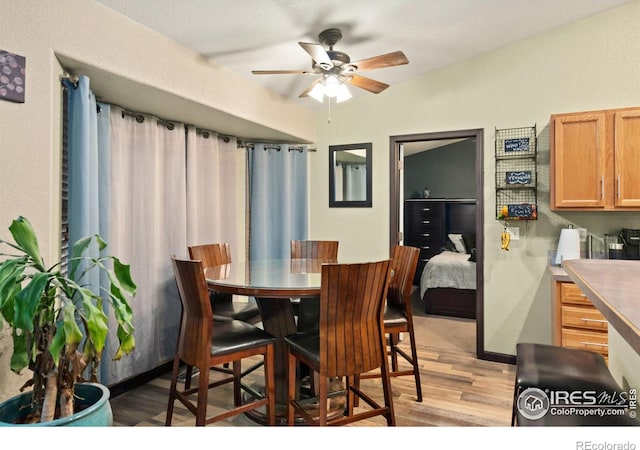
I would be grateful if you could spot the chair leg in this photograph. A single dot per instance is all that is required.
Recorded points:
(394, 338)
(352, 399)
(323, 399)
(172, 390)
(188, 373)
(414, 362)
(388, 399)
(270, 384)
(237, 379)
(292, 390)
(203, 394)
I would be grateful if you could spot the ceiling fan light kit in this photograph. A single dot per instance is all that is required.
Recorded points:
(331, 87)
(337, 70)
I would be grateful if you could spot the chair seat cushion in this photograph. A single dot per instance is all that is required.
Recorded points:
(234, 336)
(306, 344)
(394, 316)
(555, 367)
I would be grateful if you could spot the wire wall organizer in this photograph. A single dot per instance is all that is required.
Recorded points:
(516, 174)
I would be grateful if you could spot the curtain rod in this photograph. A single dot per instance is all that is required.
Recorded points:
(272, 146)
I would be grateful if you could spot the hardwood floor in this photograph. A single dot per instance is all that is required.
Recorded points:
(458, 389)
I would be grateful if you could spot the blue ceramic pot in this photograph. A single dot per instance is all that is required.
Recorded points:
(97, 414)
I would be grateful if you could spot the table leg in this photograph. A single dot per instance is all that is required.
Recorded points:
(278, 320)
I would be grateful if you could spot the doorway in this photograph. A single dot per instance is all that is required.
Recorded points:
(396, 152)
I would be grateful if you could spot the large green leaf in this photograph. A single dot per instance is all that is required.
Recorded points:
(123, 275)
(73, 334)
(20, 356)
(77, 251)
(25, 237)
(27, 301)
(57, 343)
(11, 275)
(96, 320)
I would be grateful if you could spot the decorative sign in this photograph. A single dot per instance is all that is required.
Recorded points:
(12, 77)
(516, 145)
(519, 177)
(522, 211)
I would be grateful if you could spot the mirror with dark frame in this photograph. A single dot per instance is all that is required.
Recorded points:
(350, 175)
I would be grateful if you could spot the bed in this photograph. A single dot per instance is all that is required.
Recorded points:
(448, 285)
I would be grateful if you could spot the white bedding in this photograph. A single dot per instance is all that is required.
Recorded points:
(448, 270)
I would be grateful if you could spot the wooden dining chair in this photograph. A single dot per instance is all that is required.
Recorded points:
(398, 317)
(223, 304)
(205, 344)
(349, 341)
(306, 309)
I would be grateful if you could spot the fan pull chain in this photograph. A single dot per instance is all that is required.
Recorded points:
(329, 117)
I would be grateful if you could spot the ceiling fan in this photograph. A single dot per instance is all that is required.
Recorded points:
(337, 70)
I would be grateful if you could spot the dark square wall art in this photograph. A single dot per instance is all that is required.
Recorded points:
(12, 76)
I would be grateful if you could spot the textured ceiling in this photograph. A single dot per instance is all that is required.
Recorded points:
(263, 34)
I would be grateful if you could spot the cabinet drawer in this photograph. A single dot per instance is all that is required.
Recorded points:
(570, 293)
(583, 317)
(596, 341)
(427, 211)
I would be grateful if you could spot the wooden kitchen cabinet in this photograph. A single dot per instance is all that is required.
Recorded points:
(595, 160)
(577, 323)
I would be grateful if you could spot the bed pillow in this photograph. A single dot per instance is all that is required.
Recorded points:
(458, 242)
(469, 240)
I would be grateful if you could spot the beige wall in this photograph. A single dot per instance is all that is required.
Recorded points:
(592, 64)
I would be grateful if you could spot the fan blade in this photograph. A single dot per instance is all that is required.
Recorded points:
(279, 72)
(367, 83)
(317, 53)
(377, 62)
(311, 86)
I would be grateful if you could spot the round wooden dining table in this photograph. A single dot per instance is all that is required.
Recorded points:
(273, 283)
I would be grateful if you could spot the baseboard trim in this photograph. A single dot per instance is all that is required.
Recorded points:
(497, 357)
(140, 379)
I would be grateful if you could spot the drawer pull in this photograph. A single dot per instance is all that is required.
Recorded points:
(426, 234)
(426, 209)
(426, 221)
(426, 247)
(584, 319)
(597, 344)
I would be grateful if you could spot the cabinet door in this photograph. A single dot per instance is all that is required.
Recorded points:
(627, 158)
(578, 161)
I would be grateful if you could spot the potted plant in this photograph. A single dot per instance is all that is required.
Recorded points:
(58, 324)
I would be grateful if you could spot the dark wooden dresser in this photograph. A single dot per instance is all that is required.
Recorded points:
(427, 222)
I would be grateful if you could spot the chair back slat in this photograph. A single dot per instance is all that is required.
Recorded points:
(404, 262)
(305, 249)
(351, 326)
(197, 327)
(211, 254)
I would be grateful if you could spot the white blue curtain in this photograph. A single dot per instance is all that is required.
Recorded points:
(128, 181)
(213, 164)
(88, 183)
(148, 225)
(355, 181)
(278, 199)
